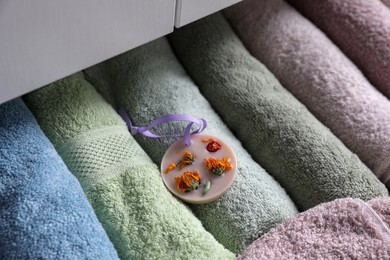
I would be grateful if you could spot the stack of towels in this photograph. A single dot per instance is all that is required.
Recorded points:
(44, 212)
(141, 217)
(301, 95)
(320, 75)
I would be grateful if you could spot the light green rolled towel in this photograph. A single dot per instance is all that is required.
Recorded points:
(278, 131)
(150, 82)
(141, 217)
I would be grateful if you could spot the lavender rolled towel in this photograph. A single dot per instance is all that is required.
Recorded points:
(341, 229)
(150, 82)
(311, 67)
(360, 28)
(141, 217)
(44, 213)
(382, 208)
(280, 133)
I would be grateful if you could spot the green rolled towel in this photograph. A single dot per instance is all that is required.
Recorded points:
(280, 133)
(141, 217)
(150, 82)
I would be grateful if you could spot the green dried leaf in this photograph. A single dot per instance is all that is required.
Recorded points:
(206, 187)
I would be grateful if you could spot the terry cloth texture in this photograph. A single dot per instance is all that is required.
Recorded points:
(313, 69)
(150, 82)
(360, 28)
(141, 217)
(44, 213)
(382, 208)
(278, 131)
(341, 229)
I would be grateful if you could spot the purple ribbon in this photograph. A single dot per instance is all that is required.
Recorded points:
(144, 130)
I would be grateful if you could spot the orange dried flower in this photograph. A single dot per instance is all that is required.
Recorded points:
(188, 181)
(218, 167)
(170, 168)
(188, 159)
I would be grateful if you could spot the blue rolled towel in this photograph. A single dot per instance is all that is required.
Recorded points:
(43, 211)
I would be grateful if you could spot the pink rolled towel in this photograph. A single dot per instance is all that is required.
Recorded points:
(382, 207)
(361, 28)
(310, 66)
(341, 229)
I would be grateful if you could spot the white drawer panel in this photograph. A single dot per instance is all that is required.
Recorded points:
(188, 11)
(45, 40)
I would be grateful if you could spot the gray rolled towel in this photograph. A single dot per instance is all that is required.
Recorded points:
(280, 133)
(150, 82)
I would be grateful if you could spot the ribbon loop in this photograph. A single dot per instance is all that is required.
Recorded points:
(144, 130)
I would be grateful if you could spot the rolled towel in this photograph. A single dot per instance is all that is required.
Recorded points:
(150, 82)
(341, 229)
(313, 69)
(320, 76)
(280, 133)
(360, 28)
(141, 217)
(44, 212)
(382, 208)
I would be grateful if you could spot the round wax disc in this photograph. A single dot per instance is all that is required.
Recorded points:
(199, 148)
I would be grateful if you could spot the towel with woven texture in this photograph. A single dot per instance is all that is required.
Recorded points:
(44, 212)
(360, 28)
(150, 82)
(341, 229)
(141, 217)
(311, 67)
(278, 131)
